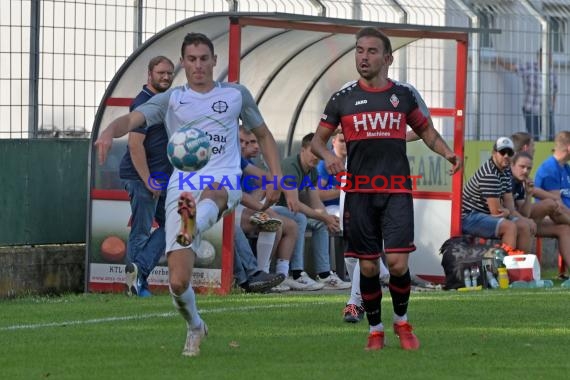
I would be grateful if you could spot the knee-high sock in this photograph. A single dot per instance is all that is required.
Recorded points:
(400, 290)
(265, 241)
(350, 263)
(355, 297)
(206, 215)
(186, 306)
(371, 297)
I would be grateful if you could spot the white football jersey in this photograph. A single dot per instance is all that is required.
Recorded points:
(216, 113)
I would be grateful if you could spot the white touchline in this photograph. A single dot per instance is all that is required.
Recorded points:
(32, 326)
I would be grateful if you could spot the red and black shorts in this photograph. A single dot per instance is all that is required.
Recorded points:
(374, 223)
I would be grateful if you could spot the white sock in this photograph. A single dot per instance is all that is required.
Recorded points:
(186, 306)
(403, 318)
(355, 297)
(384, 272)
(350, 262)
(282, 266)
(207, 212)
(265, 241)
(378, 327)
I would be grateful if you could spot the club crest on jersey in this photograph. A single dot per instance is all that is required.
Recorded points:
(220, 106)
(394, 100)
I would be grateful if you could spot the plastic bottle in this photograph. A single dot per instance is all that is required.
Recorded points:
(475, 272)
(467, 277)
(503, 278)
(543, 284)
(491, 280)
(522, 284)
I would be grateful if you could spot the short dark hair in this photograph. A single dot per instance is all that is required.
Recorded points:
(157, 60)
(521, 139)
(196, 39)
(375, 32)
(306, 141)
(521, 155)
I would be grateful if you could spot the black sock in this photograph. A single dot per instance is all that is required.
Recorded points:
(371, 293)
(296, 273)
(400, 290)
(245, 285)
(324, 275)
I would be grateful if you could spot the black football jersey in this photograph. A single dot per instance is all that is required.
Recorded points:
(373, 121)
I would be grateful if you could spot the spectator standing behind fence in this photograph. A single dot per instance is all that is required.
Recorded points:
(488, 208)
(146, 154)
(532, 77)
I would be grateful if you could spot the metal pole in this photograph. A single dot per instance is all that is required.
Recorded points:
(34, 73)
(357, 9)
(545, 71)
(137, 37)
(474, 47)
(403, 76)
(233, 4)
(321, 6)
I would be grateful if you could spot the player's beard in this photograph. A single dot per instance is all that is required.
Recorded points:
(366, 74)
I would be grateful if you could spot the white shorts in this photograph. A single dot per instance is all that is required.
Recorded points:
(173, 221)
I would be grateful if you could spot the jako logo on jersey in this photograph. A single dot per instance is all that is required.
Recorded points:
(390, 120)
(394, 100)
(359, 102)
(220, 106)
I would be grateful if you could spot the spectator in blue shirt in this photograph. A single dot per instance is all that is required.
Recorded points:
(146, 154)
(553, 175)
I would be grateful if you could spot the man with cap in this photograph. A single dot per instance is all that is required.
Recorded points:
(488, 208)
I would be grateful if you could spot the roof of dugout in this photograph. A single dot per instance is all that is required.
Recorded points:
(290, 63)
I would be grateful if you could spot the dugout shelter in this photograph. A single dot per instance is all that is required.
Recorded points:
(291, 64)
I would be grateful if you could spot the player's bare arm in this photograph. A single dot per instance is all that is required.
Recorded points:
(333, 164)
(117, 128)
(436, 143)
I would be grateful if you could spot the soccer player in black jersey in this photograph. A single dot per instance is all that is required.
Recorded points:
(378, 211)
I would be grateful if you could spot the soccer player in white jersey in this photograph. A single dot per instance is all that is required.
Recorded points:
(215, 108)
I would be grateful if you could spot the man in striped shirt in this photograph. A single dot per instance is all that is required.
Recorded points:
(488, 208)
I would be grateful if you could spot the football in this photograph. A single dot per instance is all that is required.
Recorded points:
(205, 254)
(189, 149)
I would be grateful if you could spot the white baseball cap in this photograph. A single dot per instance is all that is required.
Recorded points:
(504, 143)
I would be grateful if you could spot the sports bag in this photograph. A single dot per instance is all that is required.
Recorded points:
(462, 252)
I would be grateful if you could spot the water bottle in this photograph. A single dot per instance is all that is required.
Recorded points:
(474, 275)
(542, 284)
(467, 277)
(503, 278)
(491, 280)
(522, 284)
